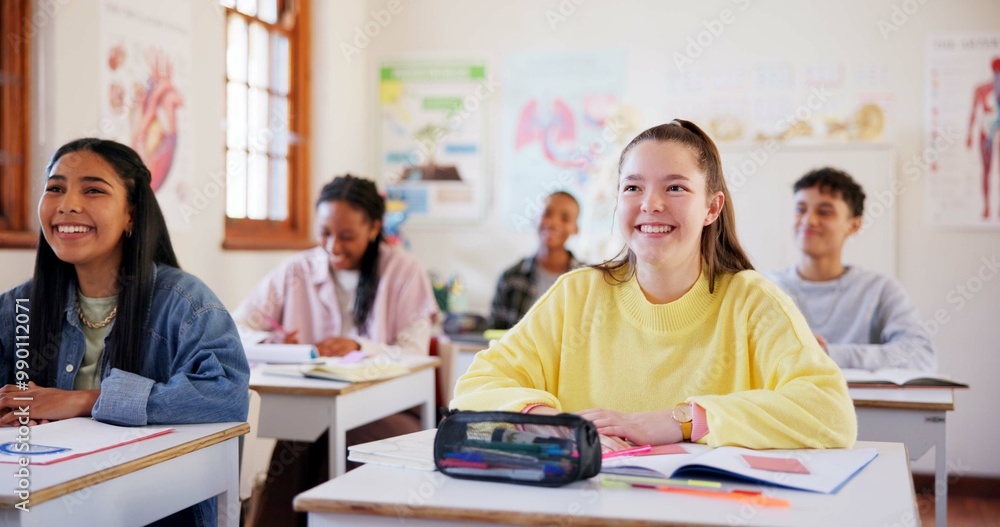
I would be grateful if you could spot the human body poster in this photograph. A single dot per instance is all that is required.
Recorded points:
(433, 118)
(145, 80)
(962, 131)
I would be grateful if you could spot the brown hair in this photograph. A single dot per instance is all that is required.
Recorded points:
(720, 248)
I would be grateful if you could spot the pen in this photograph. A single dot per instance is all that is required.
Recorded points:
(627, 452)
(274, 323)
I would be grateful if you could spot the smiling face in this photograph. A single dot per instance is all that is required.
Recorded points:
(823, 222)
(345, 232)
(558, 222)
(84, 211)
(663, 205)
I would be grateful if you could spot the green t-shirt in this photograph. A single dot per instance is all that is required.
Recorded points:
(95, 309)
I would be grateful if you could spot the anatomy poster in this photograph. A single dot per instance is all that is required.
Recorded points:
(145, 80)
(433, 119)
(563, 124)
(962, 131)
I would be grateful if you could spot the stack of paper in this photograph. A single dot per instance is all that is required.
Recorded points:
(414, 450)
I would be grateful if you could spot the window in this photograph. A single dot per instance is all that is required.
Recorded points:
(15, 48)
(267, 126)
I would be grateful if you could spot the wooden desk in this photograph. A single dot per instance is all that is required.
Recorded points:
(915, 416)
(302, 409)
(135, 484)
(373, 495)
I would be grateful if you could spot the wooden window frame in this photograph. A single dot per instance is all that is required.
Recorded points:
(15, 128)
(293, 233)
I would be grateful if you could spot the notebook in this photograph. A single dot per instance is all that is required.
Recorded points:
(414, 450)
(896, 377)
(68, 439)
(815, 470)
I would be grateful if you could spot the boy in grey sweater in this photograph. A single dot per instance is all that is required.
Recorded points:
(861, 318)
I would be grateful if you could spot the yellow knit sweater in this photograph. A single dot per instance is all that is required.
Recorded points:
(744, 353)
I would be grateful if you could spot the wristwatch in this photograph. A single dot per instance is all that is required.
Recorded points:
(682, 414)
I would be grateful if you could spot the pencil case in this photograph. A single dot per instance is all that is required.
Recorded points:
(508, 447)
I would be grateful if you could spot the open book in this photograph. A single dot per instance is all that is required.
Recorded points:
(364, 370)
(414, 450)
(813, 470)
(896, 377)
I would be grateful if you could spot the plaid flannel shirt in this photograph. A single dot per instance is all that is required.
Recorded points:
(517, 291)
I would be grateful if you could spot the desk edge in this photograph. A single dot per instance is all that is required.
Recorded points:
(56, 491)
(320, 505)
(350, 387)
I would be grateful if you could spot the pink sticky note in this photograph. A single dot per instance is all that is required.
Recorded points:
(660, 450)
(776, 464)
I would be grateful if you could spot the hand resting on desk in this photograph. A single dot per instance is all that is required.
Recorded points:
(643, 428)
(608, 443)
(46, 404)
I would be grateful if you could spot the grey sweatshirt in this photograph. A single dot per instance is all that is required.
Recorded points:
(867, 319)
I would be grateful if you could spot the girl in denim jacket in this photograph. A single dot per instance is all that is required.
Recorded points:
(117, 330)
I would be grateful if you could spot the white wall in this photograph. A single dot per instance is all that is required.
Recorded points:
(931, 264)
(64, 102)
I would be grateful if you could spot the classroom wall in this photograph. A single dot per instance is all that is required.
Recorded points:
(931, 263)
(65, 107)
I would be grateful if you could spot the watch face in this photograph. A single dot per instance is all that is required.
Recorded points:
(682, 413)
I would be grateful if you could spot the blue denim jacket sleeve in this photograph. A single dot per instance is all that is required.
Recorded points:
(197, 371)
(209, 384)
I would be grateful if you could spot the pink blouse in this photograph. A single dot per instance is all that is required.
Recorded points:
(301, 295)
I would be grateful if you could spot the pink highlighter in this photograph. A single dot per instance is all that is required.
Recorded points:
(628, 452)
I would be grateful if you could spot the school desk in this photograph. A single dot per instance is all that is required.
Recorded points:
(301, 409)
(374, 495)
(134, 484)
(915, 416)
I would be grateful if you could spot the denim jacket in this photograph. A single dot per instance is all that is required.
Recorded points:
(194, 369)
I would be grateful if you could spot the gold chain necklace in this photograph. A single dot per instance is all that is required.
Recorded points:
(91, 325)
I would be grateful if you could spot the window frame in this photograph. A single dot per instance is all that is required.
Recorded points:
(15, 102)
(294, 232)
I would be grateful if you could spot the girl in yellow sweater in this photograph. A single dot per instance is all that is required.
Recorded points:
(676, 339)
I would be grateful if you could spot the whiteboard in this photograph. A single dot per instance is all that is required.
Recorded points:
(760, 184)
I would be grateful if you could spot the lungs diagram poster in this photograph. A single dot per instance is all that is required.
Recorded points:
(962, 131)
(562, 131)
(145, 82)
